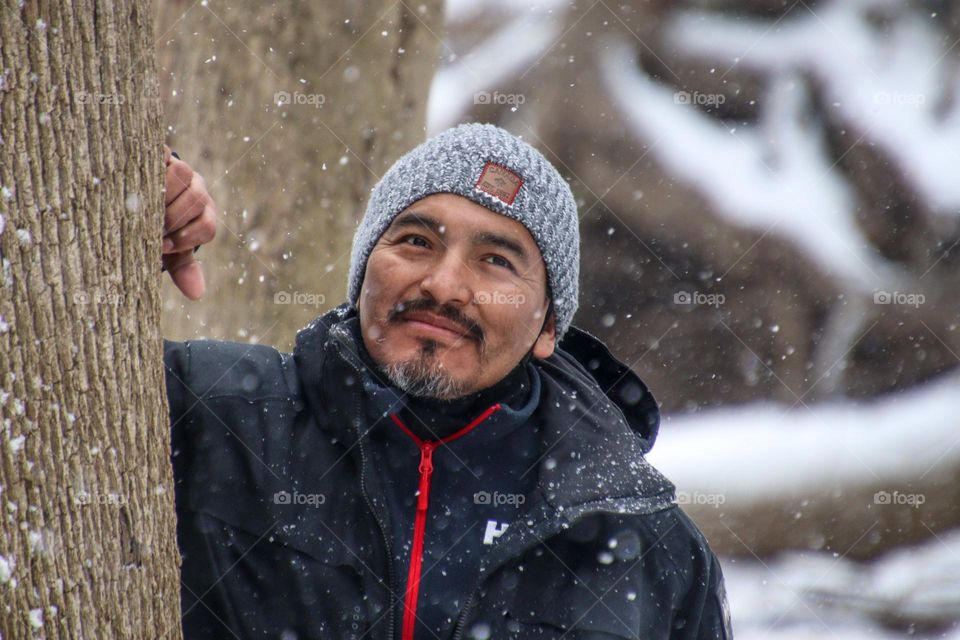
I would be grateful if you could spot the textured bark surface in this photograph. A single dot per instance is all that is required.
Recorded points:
(291, 113)
(87, 529)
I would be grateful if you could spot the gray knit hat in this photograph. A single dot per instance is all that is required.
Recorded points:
(496, 170)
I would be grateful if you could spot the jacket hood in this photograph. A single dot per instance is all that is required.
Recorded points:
(617, 381)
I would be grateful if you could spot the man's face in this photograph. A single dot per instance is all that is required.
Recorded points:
(453, 296)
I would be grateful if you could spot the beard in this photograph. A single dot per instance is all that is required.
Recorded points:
(424, 377)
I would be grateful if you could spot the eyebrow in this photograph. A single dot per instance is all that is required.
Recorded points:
(416, 219)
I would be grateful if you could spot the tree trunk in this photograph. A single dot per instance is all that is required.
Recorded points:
(87, 532)
(291, 113)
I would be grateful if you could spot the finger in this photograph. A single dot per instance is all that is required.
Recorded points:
(176, 180)
(186, 274)
(166, 155)
(173, 261)
(199, 231)
(189, 205)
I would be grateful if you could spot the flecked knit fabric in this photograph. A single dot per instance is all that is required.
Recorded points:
(499, 171)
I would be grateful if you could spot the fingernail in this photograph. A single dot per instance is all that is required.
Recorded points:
(167, 245)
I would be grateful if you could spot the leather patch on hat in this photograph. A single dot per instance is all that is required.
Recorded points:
(499, 182)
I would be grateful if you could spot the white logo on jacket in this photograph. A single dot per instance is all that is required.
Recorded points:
(494, 531)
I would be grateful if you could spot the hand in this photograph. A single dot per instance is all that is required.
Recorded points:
(190, 220)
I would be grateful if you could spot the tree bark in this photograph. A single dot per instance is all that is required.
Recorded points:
(292, 113)
(88, 529)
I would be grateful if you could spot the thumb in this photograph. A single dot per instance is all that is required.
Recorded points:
(186, 274)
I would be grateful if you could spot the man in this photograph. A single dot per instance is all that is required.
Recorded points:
(442, 456)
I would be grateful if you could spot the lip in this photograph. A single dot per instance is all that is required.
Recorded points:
(436, 325)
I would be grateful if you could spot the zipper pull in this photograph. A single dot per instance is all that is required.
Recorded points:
(426, 458)
(426, 469)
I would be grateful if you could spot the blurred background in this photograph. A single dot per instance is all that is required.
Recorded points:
(770, 203)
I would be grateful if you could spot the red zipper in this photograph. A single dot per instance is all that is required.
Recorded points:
(420, 522)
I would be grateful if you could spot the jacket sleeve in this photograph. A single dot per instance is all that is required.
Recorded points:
(715, 616)
(176, 365)
(185, 412)
(704, 610)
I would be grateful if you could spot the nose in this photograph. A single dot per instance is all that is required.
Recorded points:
(448, 281)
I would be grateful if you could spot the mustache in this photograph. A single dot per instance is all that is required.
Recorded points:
(471, 328)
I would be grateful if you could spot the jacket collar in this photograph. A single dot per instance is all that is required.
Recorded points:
(597, 417)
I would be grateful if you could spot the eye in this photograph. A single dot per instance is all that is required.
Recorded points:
(503, 262)
(411, 239)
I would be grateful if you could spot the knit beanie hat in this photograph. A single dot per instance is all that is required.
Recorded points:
(499, 171)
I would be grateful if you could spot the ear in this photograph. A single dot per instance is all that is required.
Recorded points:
(547, 340)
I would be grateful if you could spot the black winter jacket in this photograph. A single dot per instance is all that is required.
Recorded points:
(281, 516)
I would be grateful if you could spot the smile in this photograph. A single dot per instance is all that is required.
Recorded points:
(425, 325)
